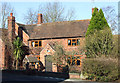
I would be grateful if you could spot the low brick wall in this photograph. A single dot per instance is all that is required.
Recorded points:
(74, 75)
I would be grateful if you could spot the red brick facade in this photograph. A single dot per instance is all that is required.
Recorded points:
(46, 46)
(2, 54)
(15, 30)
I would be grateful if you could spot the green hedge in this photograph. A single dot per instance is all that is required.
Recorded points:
(100, 69)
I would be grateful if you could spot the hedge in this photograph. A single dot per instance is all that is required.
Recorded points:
(100, 69)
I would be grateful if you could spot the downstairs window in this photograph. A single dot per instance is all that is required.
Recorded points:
(72, 60)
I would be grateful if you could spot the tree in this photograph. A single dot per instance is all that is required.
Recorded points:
(98, 35)
(98, 22)
(112, 18)
(18, 52)
(52, 12)
(99, 43)
(59, 56)
(8, 48)
(102, 21)
(6, 8)
(31, 16)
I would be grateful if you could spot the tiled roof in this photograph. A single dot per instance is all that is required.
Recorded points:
(56, 29)
(32, 59)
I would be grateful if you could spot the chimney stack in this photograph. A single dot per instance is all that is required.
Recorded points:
(39, 18)
(11, 26)
(11, 14)
(93, 10)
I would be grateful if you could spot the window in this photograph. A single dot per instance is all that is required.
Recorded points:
(33, 63)
(72, 60)
(73, 42)
(37, 43)
(78, 62)
(38, 58)
(48, 50)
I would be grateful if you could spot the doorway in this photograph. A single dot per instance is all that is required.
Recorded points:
(48, 63)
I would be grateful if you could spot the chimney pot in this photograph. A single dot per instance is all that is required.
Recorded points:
(93, 9)
(11, 14)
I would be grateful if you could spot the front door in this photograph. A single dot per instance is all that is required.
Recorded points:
(48, 63)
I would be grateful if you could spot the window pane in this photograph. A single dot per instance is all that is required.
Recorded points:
(78, 57)
(33, 64)
(78, 41)
(33, 44)
(73, 40)
(48, 50)
(78, 62)
(36, 45)
(36, 41)
(40, 43)
(69, 42)
(73, 62)
(73, 44)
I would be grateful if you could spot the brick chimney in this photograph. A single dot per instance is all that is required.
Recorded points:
(93, 9)
(11, 26)
(39, 18)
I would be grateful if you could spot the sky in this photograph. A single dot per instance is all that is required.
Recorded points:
(83, 9)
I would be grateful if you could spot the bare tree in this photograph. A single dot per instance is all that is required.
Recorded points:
(31, 16)
(5, 9)
(52, 12)
(111, 17)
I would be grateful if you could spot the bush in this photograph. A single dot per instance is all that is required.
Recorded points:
(100, 69)
(99, 43)
(74, 69)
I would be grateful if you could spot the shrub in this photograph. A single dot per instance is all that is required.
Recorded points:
(99, 43)
(100, 69)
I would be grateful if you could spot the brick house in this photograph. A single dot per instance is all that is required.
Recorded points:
(39, 39)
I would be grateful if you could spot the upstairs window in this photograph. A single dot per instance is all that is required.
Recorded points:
(73, 42)
(36, 43)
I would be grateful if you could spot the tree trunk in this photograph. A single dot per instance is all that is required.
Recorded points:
(16, 64)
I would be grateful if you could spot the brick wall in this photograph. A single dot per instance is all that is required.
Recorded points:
(2, 54)
(46, 46)
(25, 38)
(22, 34)
(63, 42)
(16, 29)
(44, 52)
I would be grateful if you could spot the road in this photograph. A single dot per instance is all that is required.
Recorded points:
(24, 78)
(15, 78)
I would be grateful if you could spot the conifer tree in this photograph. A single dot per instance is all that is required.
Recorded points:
(98, 36)
(98, 22)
